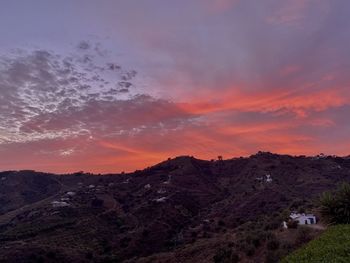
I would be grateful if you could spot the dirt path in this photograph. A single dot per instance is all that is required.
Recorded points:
(317, 226)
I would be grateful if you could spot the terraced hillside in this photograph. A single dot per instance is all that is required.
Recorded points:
(183, 208)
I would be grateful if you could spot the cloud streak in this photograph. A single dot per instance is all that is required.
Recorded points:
(161, 79)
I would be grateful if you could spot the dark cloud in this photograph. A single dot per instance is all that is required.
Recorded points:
(84, 45)
(45, 95)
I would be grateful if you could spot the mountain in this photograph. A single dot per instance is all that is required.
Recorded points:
(181, 210)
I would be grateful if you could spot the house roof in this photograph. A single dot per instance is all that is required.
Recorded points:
(295, 215)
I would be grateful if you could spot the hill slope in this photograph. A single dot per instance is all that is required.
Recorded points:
(183, 207)
(331, 246)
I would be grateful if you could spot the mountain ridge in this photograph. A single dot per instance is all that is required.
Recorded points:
(159, 213)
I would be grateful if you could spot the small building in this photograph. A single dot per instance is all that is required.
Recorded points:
(59, 204)
(303, 219)
(161, 191)
(268, 178)
(161, 200)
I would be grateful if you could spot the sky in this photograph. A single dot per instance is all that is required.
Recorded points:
(108, 86)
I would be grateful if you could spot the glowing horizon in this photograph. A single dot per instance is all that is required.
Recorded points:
(121, 85)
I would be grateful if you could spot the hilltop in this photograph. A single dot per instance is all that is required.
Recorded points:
(181, 210)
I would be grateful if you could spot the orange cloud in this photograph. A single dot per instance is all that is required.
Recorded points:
(273, 101)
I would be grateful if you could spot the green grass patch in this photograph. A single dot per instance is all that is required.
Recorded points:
(332, 246)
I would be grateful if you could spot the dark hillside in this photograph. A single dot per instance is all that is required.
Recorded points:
(181, 207)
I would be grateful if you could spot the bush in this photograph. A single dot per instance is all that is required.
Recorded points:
(221, 223)
(249, 250)
(292, 224)
(89, 255)
(274, 256)
(303, 235)
(335, 207)
(226, 255)
(271, 257)
(97, 202)
(51, 254)
(273, 244)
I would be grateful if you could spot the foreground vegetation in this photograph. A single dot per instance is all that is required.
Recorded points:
(335, 206)
(332, 246)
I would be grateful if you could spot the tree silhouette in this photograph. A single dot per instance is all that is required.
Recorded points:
(335, 207)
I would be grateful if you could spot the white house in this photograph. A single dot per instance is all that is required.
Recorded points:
(161, 200)
(303, 219)
(59, 204)
(268, 178)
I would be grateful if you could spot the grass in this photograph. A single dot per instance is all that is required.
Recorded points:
(332, 246)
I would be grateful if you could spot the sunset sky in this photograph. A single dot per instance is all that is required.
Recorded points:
(118, 85)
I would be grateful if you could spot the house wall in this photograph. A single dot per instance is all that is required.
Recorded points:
(302, 220)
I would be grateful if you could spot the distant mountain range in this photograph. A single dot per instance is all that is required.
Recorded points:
(181, 210)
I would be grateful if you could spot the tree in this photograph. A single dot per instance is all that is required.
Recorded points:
(335, 207)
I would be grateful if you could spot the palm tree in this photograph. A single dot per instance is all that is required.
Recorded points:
(335, 207)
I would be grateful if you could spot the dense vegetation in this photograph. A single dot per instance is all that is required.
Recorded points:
(332, 246)
(181, 210)
(335, 207)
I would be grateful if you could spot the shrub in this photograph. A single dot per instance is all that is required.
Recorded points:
(97, 202)
(221, 223)
(303, 235)
(51, 254)
(273, 244)
(226, 255)
(145, 233)
(274, 256)
(256, 241)
(89, 255)
(271, 257)
(292, 224)
(249, 250)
